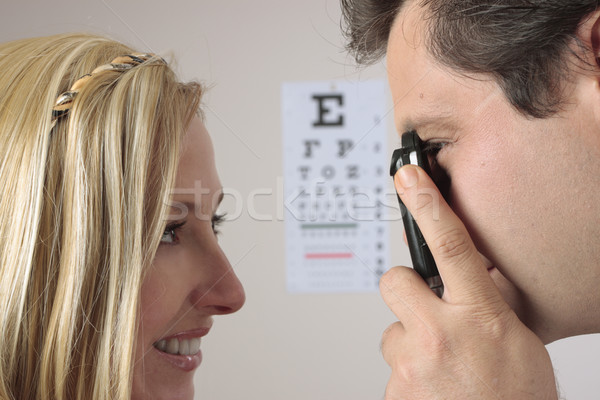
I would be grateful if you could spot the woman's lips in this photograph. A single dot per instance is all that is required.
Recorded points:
(184, 363)
(182, 349)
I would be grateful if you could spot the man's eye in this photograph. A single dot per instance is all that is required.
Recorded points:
(170, 235)
(438, 173)
(217, 220)
(431, 149)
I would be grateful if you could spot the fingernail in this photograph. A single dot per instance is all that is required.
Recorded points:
(408, 176)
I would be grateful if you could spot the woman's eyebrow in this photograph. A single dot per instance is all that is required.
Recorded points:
(191, 207)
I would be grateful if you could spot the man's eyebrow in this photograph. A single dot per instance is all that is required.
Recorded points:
(427, 122)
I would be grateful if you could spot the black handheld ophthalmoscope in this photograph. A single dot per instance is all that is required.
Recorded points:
(411, 152)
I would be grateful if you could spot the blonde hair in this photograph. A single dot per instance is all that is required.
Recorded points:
(82, 210)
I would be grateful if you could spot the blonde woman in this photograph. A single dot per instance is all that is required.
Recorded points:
(110, 270)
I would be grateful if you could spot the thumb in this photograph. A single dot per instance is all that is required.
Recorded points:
(461, 267)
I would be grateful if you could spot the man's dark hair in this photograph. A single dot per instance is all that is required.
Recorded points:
(523, 44)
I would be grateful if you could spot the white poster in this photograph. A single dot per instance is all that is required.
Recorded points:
(336, 167)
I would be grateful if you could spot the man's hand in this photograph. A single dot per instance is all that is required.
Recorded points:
(469, 344)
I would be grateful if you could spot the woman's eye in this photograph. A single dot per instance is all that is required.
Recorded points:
(217, 220)
(170, 235)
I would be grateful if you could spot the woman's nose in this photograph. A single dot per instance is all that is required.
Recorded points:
(220, 291)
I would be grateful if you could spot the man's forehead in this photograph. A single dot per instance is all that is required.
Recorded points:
(410, 20)
(422, 97)
(426, 94)
(409, 73)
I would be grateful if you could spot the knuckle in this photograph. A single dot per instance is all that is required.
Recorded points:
(413, 356)
(437, 346)
(434, 340)
(387, 284)
(389, 340)
(395, 389)
(416, 364)
(391, 332)
(400, 288)
(453, 244)
(388, 279)
(498, 325)
(393, 280)
(407, 372)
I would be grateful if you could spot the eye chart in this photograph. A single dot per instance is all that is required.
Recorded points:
(335, 174)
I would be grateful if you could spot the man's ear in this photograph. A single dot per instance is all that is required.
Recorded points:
(589, 33)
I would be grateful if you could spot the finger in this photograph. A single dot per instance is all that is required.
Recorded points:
(389, 342)
(394, 390)
(407, 295)
(462, 270)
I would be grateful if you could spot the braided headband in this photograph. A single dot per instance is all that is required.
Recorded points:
(122, 63)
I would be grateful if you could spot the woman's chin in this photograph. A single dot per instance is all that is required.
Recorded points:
(164, 387)
(164, 392)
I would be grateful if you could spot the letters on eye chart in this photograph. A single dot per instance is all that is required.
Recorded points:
(335, 179)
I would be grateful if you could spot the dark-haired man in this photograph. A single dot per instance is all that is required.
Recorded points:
(507, 92)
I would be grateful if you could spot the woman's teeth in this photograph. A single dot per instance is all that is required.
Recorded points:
(184, 347)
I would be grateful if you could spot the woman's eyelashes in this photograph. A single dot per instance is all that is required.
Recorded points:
(217, 220)
(172, 232)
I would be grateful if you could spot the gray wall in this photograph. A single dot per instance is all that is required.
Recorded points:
(280, 346)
